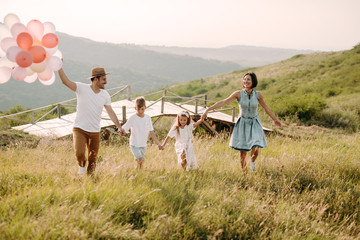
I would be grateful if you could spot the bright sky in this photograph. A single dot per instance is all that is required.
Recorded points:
(326, 25)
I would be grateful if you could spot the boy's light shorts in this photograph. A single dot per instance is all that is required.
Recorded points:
(138, 152)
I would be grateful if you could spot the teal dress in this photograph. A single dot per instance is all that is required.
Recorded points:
(248, 132)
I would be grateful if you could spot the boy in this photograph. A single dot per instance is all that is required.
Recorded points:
(140, 125)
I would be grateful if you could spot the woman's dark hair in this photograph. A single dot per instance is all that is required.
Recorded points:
(253, 78)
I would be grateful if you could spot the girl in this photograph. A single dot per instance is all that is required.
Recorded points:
(182, 131)
(248, 134)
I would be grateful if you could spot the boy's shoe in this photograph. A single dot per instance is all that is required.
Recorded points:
(252, 166)
(82, 171)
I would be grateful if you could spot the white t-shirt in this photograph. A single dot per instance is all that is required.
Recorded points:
(89, 107)
(140, 128)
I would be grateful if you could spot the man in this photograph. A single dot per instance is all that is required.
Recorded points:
(91, 98)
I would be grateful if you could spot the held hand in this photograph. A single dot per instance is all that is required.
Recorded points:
(161, 147)
(277, 123)
(122, 132)
(203, 116)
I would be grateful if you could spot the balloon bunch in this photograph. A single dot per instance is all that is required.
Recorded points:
(28, 52)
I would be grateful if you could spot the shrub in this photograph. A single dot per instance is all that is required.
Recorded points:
(338, 118)
(305, 107)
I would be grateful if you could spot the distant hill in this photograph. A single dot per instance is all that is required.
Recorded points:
(247, 56)
(143, 69)
(318, 88)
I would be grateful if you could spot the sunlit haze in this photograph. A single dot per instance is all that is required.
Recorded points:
(325, 25)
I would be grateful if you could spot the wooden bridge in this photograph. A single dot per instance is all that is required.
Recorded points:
(62, 125)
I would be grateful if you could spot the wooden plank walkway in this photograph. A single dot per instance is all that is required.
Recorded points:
(61, 127)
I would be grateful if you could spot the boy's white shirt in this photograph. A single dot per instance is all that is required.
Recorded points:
(140, 128)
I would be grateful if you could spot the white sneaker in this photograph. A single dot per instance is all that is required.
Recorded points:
(82, 171)
(252, 166)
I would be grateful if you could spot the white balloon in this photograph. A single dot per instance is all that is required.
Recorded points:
(19, 73)
(30, 79)
(11, 19)
(51, 51)
(38, 67)
(2, 53)
(7, 63)
(49, 27)
(55, 63)
(4, 31)
(12, 52)
(8, 42)
(29, 71)
(5, 74)
(58, 54)
(48, 82)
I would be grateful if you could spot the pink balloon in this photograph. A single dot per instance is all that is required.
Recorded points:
(50, 40)
(46, 74)
(30, 79)
(7, 42)
(24, 40)
(55, 63)
(12, 52)
(19, 73)
(50, 81)
(38, 53)
(24, 59)
(5, 74)
(35, 28)
(17, 28)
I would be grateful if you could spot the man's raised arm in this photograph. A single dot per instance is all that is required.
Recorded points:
(66, 81)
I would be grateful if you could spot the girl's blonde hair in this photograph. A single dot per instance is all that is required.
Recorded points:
(177, 120)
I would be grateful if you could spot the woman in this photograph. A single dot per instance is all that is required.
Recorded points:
(248, 134)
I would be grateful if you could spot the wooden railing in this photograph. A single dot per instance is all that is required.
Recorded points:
(56, 108)
(199, 100)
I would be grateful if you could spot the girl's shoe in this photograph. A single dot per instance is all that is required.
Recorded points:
(252, 166)
(82, 171)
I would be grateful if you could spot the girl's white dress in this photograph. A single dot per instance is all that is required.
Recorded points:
(184, 143)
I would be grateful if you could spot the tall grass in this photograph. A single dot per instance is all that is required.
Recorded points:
(306, 187)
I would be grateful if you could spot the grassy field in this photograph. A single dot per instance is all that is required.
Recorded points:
(306, 187)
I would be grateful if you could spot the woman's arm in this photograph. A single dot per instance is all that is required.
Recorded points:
(234, 96)
(268, 110)
(198, 122)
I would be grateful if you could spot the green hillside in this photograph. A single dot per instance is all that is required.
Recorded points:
(317, 88)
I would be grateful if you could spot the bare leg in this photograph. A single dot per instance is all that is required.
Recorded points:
(140, 162)
(183, 162)
(243, 160)
(254, 154)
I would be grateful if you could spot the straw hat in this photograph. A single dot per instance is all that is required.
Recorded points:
(98, 72)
